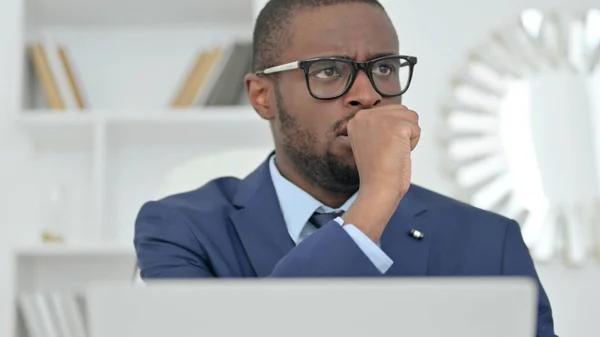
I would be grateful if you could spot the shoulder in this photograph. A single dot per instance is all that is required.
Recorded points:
(212, 200)
(444, 211)
(472, 241)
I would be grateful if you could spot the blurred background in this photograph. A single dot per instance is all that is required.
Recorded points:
(106, 104)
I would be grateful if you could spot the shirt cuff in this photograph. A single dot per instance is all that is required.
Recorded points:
(377, 256)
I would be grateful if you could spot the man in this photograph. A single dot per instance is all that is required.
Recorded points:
(335, 198)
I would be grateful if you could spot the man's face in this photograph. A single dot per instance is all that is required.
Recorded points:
(308, 129)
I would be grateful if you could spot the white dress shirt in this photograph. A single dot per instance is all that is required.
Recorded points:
(298, 206)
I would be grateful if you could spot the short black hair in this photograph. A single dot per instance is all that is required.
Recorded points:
(271, 32)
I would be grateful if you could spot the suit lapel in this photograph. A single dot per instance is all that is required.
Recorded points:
(409, 254)
(259, 222)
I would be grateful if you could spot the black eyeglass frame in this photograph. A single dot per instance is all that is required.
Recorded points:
(355, 66)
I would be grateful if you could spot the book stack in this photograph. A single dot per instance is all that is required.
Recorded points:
(56, 75)
(52, 314)
(216, 78)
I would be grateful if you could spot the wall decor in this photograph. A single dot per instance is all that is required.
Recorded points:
(521, 130)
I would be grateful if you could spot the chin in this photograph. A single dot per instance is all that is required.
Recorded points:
(348, 159)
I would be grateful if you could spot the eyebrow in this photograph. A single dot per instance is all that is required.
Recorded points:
(346, 57)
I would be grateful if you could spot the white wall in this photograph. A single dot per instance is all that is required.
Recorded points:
(14, 158)
(437, 31)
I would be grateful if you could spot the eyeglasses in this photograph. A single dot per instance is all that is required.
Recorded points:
(332, 77)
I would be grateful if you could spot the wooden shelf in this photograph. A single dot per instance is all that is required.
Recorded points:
(132, 124)
(58, 127)
(54, 117)
(66, 250)
(138, 12)
(239, 126)
(195, 115)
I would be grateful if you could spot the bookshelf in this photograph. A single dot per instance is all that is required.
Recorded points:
(113, 142)
(136, 12)
(130, 59)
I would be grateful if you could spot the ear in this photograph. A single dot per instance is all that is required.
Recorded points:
(259, 90)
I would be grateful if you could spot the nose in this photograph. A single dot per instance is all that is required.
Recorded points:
(362, 94)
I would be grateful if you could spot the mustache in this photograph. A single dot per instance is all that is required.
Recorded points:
(339, 125)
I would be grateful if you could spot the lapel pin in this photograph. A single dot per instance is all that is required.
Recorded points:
(416, 234)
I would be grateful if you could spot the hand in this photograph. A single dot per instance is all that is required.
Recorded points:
(382, 140)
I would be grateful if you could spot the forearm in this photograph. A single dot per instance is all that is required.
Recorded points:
(372, 211)
(169, 249)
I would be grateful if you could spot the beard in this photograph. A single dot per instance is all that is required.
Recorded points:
(323, 169)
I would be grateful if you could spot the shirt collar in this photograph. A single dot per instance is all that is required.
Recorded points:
(297, 206)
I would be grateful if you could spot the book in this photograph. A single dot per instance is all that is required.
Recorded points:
(46, 77)
(61, 80)
(227, 86)
(52, 314)
(196, 79)
(72, 78)
(57, 76)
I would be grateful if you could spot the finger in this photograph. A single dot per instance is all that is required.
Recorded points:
(412, 116)
(413, 142)
(402, 111)
(415, 135)
(407, 130)
(392, 107)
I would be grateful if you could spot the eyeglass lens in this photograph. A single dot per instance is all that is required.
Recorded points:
(329, 78)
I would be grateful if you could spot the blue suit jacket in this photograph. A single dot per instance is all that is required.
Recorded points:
(235, 228)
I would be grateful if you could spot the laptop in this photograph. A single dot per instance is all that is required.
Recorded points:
(414, 307)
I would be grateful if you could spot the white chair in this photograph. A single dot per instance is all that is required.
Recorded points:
(200, 170)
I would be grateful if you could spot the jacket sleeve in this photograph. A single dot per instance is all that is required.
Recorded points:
(167, 247)
(329, 252)
(518, 262)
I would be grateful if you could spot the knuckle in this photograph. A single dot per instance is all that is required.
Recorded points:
(415, 116)
(409, 114)
(403, 130)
